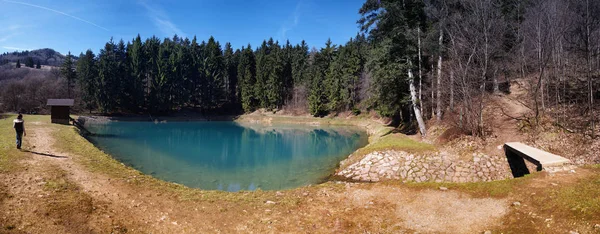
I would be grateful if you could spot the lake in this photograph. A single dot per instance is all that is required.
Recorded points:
(227, 155)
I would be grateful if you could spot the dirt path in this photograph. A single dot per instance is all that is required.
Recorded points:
(57, 194)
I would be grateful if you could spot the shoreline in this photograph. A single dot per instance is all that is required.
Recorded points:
(373, 128)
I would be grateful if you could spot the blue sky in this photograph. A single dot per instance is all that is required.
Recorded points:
(78, 25)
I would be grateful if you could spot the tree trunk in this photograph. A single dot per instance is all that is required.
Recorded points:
(495, 79)
(589, 68)
(439, 79)
(420, 69)
(432, 96)
(451, 90)
(539, 42)
(413, 97)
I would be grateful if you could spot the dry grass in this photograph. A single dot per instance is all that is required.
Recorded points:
(9, 154)
(398, 142)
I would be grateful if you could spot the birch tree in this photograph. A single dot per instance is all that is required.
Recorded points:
(393, 28)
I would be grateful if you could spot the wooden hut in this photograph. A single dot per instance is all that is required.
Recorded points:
(60, 110)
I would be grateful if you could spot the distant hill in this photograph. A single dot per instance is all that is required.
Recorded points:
(46, 56)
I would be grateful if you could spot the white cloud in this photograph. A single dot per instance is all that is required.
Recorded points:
(16, 48)
(6, 37)
(161, 20)
(289, 25)
(56, 11)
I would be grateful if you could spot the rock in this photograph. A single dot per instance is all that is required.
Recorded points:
(516, 203)
(443, 188)
(270, 202)
(554, 184)
(597, 226)
(488, 232)
(573, 232)
(572, 171)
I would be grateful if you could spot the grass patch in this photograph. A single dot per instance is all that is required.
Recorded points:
(581, 200)
(398, 142)
(496, 189)
(67, 139)
(9, 154)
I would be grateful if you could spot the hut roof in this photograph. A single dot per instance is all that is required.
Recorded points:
(60, 102)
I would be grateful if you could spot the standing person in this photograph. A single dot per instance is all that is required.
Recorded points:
(19, 126)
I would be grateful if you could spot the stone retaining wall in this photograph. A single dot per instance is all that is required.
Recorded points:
(439, 167)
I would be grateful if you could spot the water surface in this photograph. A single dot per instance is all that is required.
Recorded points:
(229, 156)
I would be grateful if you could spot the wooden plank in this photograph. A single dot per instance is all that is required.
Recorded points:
(543, 158)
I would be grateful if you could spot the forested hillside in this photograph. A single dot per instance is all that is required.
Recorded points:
(412, 60)
(42, 56)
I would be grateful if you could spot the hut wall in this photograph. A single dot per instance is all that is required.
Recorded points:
(60, 114)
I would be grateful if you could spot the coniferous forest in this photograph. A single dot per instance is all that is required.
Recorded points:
(413, 60)
(163, 76)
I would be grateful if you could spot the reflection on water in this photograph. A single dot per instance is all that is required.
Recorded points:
(226, 155)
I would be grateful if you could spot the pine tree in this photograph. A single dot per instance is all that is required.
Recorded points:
(29, 62)
(87, 75)
(353, 63)
(137, 67)
(334, 81)
(214, 74)
(163, 83)
(231, 77)
(185, 72)
(68, 72)
(123, 80)
(38, 65)
(317, 99)
(286, 73)
(194, 87)
(108, 84)
(262, 75)
(299, 62)
(247, 77)
(151, 48)
(18, 63)
(274, 78)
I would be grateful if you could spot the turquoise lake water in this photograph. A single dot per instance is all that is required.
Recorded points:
(229, 156)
